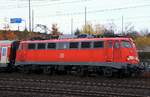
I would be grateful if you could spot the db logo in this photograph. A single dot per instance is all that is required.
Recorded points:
(61, 55)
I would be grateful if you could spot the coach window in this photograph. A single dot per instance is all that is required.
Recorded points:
(98, 44)
(74, 45)
(85, 44)
(41, 45)
(31, 46)
(51, 46)
(126, 44)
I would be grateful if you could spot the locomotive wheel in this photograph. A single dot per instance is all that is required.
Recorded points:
(25, 69)
(82, 71)
(107, 72)
(47, 70)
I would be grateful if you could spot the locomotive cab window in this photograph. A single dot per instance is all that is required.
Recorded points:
(85, 44)
(126, 44)
(74, 45)
(116, 44)
(31, 46)
(41, 45)
(51, 46)
(98, 44)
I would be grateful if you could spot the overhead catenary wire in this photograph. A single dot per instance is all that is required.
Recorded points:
(53, 3)
(98, 10)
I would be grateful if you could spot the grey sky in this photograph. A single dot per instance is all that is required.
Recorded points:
(47, 12)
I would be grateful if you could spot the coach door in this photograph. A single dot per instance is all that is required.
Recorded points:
(117, 52)
(109, 51)
(4, 55)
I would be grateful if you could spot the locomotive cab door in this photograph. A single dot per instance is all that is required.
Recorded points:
(4, 52)
(109, 51)
(116, 51)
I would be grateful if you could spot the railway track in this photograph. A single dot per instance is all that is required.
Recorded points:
(104, 83)
(97, 88)
(67, 92)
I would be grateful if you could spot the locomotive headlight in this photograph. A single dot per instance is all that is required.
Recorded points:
(136, 58)
(130, 58)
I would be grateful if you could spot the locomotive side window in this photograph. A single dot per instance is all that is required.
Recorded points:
(110, 44)
(85, 44)
(51, 46)
(74, 45)
(63, 45)
(31, 46)
(98, 44)
(23, 46)
(126, 44)
(41, 45)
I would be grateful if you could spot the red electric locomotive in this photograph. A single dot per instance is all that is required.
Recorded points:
(83, 55)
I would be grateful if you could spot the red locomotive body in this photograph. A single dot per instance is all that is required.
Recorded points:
(98, 54)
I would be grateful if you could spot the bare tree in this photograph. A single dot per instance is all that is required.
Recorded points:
(55, 33)
(129, 28)
(145, 31)
(99, 29)
(111, 27)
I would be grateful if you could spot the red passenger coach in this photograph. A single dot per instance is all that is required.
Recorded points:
(7, 53)
(83, 55)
